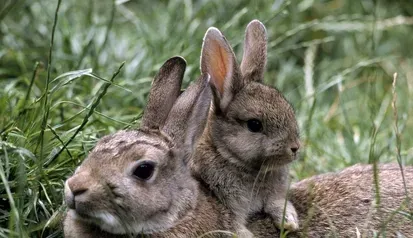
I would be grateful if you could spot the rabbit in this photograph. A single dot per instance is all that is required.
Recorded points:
(251, 134)
(344, 204)
(136, 182)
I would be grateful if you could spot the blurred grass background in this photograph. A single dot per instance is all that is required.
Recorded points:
(333, 59)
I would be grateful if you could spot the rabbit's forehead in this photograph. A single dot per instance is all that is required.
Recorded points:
(262, 102)
(130, 142)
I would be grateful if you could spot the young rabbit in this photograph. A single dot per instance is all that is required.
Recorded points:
(251, 135)
(135, 182)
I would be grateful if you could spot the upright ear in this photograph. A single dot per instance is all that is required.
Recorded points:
(164, 91)
(254, 59)
(199, 116)
(218, 60)
(181, 113)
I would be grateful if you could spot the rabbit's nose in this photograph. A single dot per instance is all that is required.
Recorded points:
(294, 147)
(74, 187)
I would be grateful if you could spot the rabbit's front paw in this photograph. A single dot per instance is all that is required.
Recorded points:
(291, 219)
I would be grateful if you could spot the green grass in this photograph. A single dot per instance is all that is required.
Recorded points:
(334, 60)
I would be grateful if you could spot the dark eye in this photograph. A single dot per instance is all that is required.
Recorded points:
(144, 171)
(254, 125)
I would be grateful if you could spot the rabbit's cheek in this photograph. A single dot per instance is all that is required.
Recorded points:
(245, 145)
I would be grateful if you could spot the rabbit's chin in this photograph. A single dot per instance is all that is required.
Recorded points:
(113, 224)
(268, 163)
(279, 160)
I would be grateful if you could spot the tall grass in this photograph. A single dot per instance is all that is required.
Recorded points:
(334, 60)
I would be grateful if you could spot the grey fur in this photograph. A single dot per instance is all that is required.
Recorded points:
(165, 90)
(254, 59)
(186, 105)
(248, 171)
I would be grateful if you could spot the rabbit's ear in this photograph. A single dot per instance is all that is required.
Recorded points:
(164, 91)
(199, 115)
(254, 59)
(177, 123)
(218, 60)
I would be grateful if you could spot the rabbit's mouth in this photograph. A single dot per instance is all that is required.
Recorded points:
(113, 224)
(263, 163)
(275, 160)
(84, 217)
(105, 220)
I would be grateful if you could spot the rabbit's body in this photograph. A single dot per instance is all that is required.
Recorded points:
(252, 188)
(343, 204)
(209, 217)
(252, 133)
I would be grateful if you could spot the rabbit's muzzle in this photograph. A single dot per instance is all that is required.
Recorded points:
(287, 151)
(81, 193)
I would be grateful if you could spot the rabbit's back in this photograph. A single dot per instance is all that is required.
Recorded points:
(343, 204)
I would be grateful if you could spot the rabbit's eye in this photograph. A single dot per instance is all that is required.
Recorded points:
(144, 171)
(254, 125)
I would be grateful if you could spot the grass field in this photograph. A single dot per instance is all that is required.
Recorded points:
(334, 60)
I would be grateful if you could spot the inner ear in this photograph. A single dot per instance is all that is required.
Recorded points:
(219, 66)
(218, 60)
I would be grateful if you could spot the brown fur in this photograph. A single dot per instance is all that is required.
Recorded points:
(246, 169)
(164, 86)
(339, 204)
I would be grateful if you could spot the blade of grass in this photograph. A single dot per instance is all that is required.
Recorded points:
(46, 90)
(29, 89)
(60, 140)
(398, 136)
(14, 212)
(46, 101)
(109, 27)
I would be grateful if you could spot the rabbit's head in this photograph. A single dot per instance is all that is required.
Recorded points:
(135, 181)
(251, 122)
